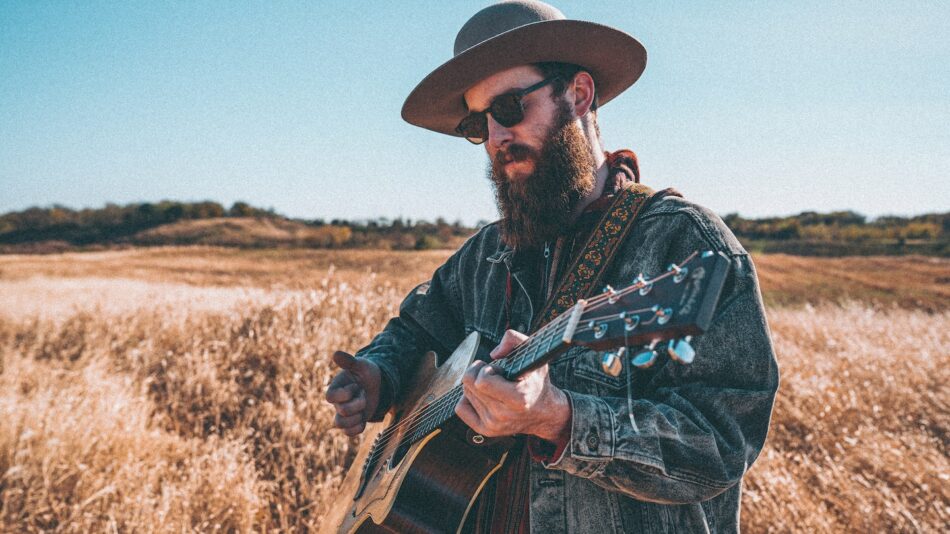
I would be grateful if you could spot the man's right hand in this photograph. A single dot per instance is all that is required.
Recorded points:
(354, 392)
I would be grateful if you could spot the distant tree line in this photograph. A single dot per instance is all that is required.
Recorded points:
(808, 233)
(114, 224)
(844, 233)
(401, 234)
(111, 222)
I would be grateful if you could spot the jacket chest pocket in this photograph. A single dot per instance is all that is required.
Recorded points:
(586, 375)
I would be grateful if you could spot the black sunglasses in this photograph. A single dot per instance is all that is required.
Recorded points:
(506, 109)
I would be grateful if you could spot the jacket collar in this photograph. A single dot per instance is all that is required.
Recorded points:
(502, 255)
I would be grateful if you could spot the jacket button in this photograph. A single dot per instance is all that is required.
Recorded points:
(593, 441)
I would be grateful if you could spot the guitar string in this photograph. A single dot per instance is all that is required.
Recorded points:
(441, 412)
(585, 327)
(419, 419)
(425, 415)
(437, 408)
(549, 330)
(437, 411)
(434, 411)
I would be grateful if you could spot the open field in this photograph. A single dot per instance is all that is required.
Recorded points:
(181, 389)
(914, 282)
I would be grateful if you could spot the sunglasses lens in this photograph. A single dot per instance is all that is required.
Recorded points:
(474, 128)
(507, 110)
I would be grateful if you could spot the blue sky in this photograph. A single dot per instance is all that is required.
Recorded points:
(762, 108)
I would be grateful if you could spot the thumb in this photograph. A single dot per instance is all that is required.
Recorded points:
(345, 360)
(509, 342)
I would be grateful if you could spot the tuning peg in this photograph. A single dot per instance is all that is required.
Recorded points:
(681, 351)
(663, 315)
(629, 321)
(612, 292)
(644, 359)
(681, 272)
(641, 282)
(612, 362)
(600, 329)
(647, 357)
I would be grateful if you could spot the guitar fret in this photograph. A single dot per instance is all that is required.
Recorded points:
(555, 340)
(538, 350)
(518, 363)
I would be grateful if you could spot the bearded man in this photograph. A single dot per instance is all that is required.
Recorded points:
(662, 449)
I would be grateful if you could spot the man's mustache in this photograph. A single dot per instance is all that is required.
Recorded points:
(514, 152)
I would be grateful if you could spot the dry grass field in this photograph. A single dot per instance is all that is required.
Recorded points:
(175, 390)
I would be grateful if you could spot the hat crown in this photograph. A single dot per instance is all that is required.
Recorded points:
(502, 17)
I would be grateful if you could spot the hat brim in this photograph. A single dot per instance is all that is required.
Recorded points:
(613, 58)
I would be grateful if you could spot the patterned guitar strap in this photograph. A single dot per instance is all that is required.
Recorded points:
(583, 279)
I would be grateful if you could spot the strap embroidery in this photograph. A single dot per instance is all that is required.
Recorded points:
(590, 266)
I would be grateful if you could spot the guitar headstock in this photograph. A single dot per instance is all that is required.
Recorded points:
(675, 304)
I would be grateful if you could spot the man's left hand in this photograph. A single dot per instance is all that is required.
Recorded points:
(494, 406)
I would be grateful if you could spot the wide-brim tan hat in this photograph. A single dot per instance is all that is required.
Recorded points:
(520, 32)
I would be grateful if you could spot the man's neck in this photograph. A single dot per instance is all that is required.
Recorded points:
(600, 179)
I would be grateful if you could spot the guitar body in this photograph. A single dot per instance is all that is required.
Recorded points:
(426, 487)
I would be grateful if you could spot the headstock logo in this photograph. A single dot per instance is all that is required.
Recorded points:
(691, 291)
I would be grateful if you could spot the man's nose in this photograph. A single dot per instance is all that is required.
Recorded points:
(498, 135)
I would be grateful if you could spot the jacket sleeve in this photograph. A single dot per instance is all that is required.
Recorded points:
(684, 433)
(429, 319)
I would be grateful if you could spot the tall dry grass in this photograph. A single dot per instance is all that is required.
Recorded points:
(859, 435)
(79, 453)
(166, 393)
(244, 382)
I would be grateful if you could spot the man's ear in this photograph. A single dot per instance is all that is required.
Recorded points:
(583, 89)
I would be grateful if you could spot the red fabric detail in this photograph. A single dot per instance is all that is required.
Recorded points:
(508, 302)
(542, 450)
(622, 168)
(511, 495)
(626, 161)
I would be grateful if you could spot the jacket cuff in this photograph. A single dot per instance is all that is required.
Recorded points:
(592, 441)
(386, 389)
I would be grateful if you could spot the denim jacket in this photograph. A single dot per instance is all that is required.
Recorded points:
(663, 453)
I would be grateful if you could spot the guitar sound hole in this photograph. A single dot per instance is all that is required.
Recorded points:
(401, 449)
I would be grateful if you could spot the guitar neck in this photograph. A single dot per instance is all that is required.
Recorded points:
(542, 346)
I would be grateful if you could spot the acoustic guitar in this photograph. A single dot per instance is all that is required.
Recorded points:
(421, 468)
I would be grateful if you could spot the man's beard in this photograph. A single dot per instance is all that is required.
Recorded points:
(538, 208)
